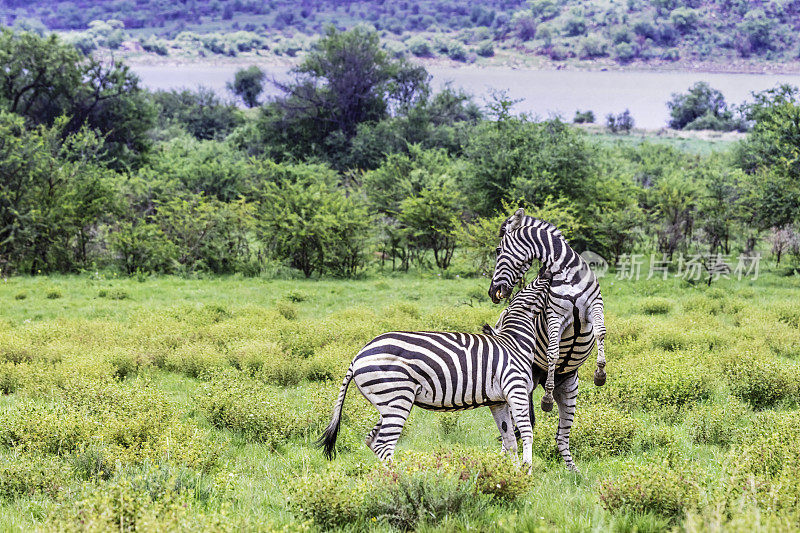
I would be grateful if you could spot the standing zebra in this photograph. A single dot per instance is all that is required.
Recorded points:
(449, 372)
(573, 317)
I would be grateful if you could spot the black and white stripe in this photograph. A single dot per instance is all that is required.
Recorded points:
(573, 318)
(449, 372)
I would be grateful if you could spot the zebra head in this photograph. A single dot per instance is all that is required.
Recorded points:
(527, 303)
(514, 258)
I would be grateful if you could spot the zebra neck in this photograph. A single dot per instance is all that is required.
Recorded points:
(554, 252)
(520, 341)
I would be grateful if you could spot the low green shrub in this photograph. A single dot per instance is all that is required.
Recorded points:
(655, 488)
(287, 310)
(21, 295)
(53, 294)
(656, 306)
(296, 296)
(419, 488)
(600, 431)
(24, 474)
(760, 380)
(658, 381)
(150, 498)
(717, 424)
(195, 360)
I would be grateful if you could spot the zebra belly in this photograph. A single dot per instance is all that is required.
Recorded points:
(439, 371)
(573, 349)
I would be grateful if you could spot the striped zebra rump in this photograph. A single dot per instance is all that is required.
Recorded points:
(440, 371)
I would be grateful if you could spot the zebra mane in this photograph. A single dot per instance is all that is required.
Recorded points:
(529, 221)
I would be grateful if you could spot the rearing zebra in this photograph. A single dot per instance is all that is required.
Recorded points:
(449, 372)
(574, 309)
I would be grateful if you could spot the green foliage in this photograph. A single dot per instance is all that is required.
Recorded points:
(418, 489)
(200, 112)
(345, 81)
(584, 117)
(248, 84)
(762, 381)
(660, 489)
(622, 122)
(306, 220)
(703, 107)
(46, 79)
(55, 194)
(656, 306)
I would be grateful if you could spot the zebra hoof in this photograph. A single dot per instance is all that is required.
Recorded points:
(547, 403)
(599, 377)
(572, 468)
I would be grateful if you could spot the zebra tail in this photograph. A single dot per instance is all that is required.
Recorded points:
(328, 439)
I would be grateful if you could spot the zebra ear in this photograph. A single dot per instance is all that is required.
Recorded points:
(515, 220)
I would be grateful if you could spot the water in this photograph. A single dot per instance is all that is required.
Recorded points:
(544, 93)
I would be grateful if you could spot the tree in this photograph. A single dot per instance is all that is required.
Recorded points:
(44, 78)
(770, 155)
(513, 158)
(53, 196)
(431, 219)
(248, 84)
(202, 113)
(703, 107)
(347, 80)
(305, 219)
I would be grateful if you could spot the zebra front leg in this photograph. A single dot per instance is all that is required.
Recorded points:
(518, 402)
(502, 417)
(554, 325)
(598, 323)
(566, 394)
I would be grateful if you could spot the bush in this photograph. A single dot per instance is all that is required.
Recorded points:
(624, 52)
(420, 47)
(417, 488)
(717, 425)
(583, 117)
(660, 381)
(761, 381)
(600, 431)
(287, 310)
(656, 306)
(592, 47)
(150, 498)
(26, 475)
(485, 49)
(659, 489)
(20, 295)
(53, 294)
(457, 52)
(699, 101)
(620, 123)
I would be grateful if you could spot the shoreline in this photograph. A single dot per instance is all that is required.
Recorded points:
(510, 62)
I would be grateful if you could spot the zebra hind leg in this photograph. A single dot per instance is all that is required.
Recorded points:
(518, 402)
(566, 394)
(502, 417)
(372, 434)
(598, 322)
(393, 418)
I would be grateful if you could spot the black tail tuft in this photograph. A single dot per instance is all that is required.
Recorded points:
(328, 440)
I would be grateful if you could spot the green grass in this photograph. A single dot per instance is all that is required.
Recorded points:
(180, 389)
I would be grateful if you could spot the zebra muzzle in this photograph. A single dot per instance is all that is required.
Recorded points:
(499, 294)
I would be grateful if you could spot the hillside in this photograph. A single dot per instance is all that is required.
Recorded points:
(711, 35)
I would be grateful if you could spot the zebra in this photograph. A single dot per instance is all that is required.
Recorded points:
(449, 372)
(573, 318)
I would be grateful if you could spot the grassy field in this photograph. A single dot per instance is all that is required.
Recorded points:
(169, 403)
